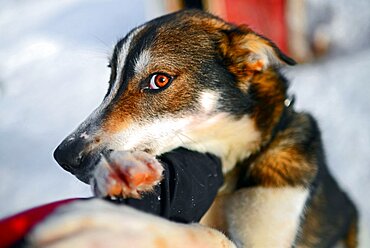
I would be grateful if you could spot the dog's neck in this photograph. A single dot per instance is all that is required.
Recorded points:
(230, 139)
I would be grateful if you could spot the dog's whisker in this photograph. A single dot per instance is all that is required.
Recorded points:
(192, 141)
(177, 136)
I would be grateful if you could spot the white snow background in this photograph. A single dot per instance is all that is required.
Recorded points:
(53, 57)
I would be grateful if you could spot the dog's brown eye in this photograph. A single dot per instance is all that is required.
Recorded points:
(159, 80)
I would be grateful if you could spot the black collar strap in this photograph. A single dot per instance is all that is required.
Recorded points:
(283, 121)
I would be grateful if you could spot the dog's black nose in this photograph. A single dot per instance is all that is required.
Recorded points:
(69, 153)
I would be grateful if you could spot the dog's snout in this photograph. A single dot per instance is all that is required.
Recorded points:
(69, 153)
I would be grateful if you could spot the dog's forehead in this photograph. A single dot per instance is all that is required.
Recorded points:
(190, 33)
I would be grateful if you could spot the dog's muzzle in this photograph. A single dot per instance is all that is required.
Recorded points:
(72, 156)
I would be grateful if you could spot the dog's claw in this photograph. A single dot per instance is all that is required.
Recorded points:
(126, 174)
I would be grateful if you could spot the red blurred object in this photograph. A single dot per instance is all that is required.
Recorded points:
(14, 228)
(267, 17)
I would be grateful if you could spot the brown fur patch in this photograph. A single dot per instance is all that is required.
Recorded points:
(281, 166)
(284, 161)
(119, 117)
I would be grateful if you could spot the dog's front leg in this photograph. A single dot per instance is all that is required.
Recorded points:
(265, 217)
(98, 223)
(126, 174)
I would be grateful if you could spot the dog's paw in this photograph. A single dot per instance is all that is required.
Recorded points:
(125, 174)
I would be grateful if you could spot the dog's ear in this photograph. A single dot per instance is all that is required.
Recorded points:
(246, 51)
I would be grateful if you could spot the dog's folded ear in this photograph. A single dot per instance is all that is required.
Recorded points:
(246, 51)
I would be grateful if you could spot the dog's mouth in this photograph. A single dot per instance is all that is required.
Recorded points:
(85, 170)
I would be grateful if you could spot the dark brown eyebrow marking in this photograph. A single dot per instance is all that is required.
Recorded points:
(140, 42)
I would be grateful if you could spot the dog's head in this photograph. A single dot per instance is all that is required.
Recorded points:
(186, 79)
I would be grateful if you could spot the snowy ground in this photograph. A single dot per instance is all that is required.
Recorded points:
(53, 73)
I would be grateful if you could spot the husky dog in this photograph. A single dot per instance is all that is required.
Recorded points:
(190, 79)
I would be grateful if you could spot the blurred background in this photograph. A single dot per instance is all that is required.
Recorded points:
(53, 57)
